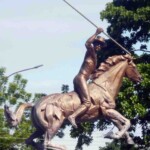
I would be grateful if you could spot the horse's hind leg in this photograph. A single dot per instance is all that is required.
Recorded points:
(54, 124)
(30, 141)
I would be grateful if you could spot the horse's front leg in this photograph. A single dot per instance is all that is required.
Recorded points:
(126, 135)
(122, 122)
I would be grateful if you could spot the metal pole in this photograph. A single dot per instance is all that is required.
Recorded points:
(24, 70)
(35, 67)
(97, 27)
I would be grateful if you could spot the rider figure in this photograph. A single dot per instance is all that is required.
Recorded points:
(93, 44)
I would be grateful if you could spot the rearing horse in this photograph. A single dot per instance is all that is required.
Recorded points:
(50, 112)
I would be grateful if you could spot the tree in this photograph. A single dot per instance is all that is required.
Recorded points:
(65, 88)
(13, 93)
(129, 22)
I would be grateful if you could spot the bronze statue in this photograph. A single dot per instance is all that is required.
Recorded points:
(93, 45)
(51, 111)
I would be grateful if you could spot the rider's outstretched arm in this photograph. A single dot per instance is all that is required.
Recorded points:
(92, 38)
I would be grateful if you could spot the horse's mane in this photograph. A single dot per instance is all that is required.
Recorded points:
(109, 62)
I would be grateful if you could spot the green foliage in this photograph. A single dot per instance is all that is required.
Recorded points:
(65, 88)
(38, 96)
(13, 93)
(3, 81)
(136, 96)
(117, 145)
(129, 22)
(84, 134)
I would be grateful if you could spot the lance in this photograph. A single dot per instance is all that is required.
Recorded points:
(97, 27)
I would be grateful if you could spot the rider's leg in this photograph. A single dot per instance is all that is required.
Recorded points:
(82, 89)
(80, 110)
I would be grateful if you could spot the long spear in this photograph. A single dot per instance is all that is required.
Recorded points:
(97, 27)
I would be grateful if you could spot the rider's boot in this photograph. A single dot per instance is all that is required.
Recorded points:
(78, 112)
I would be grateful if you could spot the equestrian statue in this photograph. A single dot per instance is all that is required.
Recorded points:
(88, 102)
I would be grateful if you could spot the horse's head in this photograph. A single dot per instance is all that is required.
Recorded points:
(131, 71)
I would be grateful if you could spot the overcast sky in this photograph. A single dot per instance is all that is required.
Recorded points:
(48, 32)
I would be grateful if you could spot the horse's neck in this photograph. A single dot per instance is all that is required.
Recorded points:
(111, 80)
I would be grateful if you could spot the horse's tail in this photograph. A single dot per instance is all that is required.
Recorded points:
(14, 119)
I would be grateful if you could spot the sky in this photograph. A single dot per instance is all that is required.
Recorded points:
(35, 32)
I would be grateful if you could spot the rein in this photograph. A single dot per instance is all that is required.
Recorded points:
(99, 85)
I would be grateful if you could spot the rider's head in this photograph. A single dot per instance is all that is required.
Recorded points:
(99, 43)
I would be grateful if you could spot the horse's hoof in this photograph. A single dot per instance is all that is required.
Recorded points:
(130, 141)
(118, 135)
(63, 147)
(109, 135)
(60, 147)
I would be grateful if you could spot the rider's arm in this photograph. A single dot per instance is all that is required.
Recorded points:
(89, 42)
